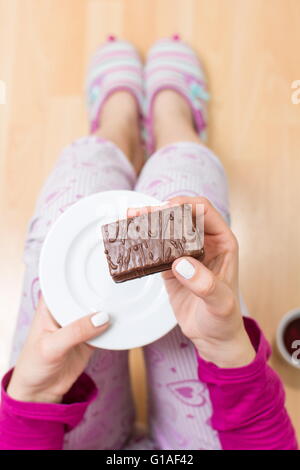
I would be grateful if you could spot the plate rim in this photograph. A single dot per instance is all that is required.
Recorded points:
(170, 323)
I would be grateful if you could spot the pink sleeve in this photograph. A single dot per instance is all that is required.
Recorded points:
(41, 426)
(248, 402)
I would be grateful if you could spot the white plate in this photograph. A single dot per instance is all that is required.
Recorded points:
(75, 279)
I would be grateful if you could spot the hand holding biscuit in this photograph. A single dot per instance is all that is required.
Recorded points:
(205, 295)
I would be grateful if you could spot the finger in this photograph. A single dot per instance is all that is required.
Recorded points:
(136, 211)
(166, 275)
(43, 317)
(203, 283)
(80, 331)
(213, 220)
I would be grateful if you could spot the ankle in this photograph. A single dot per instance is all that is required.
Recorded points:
(119, 123)
(119, 120)
(120, 108)
(173, 119)
(171, 106)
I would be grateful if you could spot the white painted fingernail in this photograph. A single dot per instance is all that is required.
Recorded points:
(185, 269)
(100, 318)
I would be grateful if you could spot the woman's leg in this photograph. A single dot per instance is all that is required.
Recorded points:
(89, 165)
(179, 404)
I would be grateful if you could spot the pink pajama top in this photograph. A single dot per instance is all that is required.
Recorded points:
(247, 402)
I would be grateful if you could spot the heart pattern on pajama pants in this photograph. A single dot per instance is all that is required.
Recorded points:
(179, 406)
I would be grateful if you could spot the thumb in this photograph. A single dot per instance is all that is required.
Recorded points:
(203, 283)
(80, 331)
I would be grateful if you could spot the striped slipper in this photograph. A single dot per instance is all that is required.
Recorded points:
(172, 64)
(115, 66)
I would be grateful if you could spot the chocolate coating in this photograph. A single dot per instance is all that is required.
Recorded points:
(149, 243)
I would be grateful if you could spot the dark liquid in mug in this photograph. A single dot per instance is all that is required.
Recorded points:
(291, 333)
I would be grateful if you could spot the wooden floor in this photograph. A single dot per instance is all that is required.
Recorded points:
(250, 49)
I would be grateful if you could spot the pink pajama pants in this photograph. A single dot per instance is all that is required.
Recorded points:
(179, 404)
